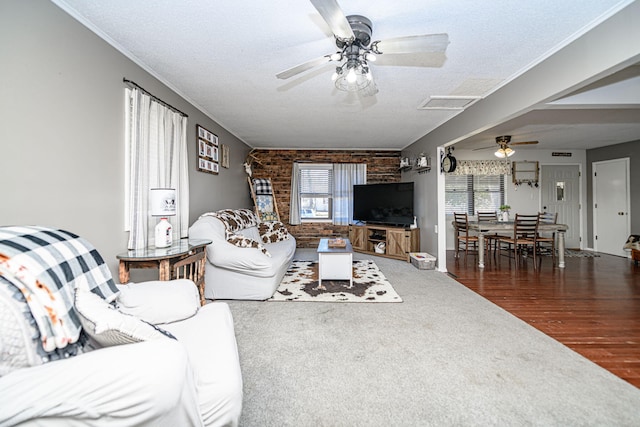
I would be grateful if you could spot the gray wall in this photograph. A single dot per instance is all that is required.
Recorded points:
(62, 130)
(631, 150)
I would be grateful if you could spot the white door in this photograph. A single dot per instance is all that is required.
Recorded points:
(560, 193)
(611, 201)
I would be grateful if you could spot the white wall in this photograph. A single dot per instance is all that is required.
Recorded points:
(62, 130)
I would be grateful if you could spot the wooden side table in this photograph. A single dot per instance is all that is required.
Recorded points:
(184, 259)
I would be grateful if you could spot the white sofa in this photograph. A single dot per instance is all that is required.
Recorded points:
(244, 273)
(151, 357)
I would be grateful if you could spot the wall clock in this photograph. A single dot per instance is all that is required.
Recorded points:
(448, 163)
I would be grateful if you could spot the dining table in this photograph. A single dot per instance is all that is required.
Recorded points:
(506, 228)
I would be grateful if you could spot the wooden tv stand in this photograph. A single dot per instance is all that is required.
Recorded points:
(399, 241)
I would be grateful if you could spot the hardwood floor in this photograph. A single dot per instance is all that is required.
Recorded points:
(591, 306)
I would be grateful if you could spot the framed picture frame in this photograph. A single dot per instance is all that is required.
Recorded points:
(207, 135)
(225, 155)
(207, 166)
(208, 150)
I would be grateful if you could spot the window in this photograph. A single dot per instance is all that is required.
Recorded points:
(316, 189)
(324, 192)
(473, 193)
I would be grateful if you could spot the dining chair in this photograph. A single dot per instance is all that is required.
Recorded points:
(461, 225)
(525, 234)
(487, 216)
(544, 241)
(491, 239)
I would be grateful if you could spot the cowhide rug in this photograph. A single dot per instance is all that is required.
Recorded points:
(300, 283)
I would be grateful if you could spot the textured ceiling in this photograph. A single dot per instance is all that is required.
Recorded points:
(223, 57)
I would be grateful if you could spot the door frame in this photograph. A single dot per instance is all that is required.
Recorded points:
(581, 194)
(627, 163)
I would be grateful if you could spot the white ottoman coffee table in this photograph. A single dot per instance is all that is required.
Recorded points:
(335, 263)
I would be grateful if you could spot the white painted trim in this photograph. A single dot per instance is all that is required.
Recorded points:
(442, 217)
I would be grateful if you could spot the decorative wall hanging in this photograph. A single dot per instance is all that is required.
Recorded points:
(526, 172)
(208, 151)
(225, 156)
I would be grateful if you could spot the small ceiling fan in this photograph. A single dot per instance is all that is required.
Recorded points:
(355, 49)
(504, 149)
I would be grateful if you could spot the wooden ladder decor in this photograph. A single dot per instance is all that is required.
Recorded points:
(264, 200)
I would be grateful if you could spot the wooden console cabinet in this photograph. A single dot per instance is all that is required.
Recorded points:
(399, 241)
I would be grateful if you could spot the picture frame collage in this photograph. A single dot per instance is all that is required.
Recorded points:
(208, 151)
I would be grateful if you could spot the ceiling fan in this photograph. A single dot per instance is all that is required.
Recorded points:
(504, 149)
(355, 49)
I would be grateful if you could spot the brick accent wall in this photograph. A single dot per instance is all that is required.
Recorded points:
(382, 166)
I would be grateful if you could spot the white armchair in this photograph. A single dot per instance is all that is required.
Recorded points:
(145, 354)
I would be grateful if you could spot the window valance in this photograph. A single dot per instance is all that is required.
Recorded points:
(483, 167)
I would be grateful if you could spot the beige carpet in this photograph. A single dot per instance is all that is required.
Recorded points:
(444, 357)
(300, 283)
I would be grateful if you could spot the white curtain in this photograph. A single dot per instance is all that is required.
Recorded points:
(345, 176)
(294, 204)
(156, 157)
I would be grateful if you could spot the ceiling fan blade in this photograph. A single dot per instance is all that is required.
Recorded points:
(523, 143)
(303, 67)
(484, 148)
(331, 12)
(410, 44)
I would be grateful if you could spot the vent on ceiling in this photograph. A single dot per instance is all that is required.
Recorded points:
(448, 102)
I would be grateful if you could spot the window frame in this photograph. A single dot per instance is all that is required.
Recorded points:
(302, 194)
(471, 193)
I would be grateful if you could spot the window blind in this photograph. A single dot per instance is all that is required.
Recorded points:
(473, 193)
(316, 180)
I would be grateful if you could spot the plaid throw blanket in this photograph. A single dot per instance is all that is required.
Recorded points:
(262, 186)
(47, 265)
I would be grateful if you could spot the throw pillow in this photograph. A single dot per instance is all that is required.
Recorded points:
(245, 242)
(159, 302)
(272, 232)
(108, 326)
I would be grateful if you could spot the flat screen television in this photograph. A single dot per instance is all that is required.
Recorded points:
(388, 203)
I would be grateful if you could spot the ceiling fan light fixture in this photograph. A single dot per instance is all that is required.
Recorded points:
(504, 152)
(353, 38)
(353, 76)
